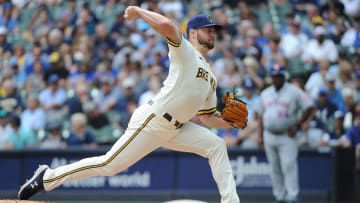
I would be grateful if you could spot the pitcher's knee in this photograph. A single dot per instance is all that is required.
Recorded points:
(107, 167)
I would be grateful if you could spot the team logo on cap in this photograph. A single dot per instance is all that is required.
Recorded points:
(210, 19)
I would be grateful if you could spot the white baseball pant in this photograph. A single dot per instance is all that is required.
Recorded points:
(146, 132)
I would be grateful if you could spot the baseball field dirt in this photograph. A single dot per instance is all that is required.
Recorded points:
(22, 201)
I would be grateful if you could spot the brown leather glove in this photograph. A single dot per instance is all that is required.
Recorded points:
(235, 111)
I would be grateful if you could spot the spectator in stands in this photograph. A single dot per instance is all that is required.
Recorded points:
(118, 30)
(335, 26)
(53, 138)
(351, 7)
(21, 137)
(229, 77)
(333, 6)
(104, 69)
(55, 39)
(107, 96)
(131, 106)
(41, 21)
(228, 54)
(352, 137)
(34, 82)
(325, 109)
(254, 71)
(86, 19)
(9, 17)
(154, 85)
(33, 117)
(333, 137)
(5, 130)
(272, 53)
(249, 136)
(19, 57)
(334, 93)
(122, 57)
(357, 85)
(36, 56)
(317, 79)
(311, 132)
(150, 46)
(267, 33)
(53, 98)
(319, 49)
(292, 43)
(127, 94)
(4, 45)
(95, 119)
(250, 47)
(18, 76)
(131, 70)
(171, 6)
(81, 96)
(79, 135)
(57, 67)
(345, 75)
(104, 45)
(11, 102)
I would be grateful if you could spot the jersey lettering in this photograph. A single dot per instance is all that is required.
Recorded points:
(202, 73)
(213, 83)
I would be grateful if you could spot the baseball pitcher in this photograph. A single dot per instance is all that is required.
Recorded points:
(164, 122)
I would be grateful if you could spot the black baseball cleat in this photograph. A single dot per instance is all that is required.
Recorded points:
(34, 185)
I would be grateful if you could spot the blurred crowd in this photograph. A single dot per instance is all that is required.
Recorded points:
(73, 71)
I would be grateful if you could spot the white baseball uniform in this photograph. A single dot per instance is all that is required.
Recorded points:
(189, 89)
(280, 111)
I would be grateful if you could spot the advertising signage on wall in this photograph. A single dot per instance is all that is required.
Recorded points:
(169, 171)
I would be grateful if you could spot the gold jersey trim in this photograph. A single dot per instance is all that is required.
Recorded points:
(172, 43)
(206, 111)
(108, 160)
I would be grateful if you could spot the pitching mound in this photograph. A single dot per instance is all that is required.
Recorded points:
(22, 201)
(185, 201)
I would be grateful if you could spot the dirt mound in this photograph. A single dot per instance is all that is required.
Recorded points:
(22, 201)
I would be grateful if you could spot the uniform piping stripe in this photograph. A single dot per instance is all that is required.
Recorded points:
(207, 111)
(172, 43)
(110, 159)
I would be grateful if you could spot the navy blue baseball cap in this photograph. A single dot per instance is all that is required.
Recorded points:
(277, 70)
(54, 78)
(200, 21)
(248, 84)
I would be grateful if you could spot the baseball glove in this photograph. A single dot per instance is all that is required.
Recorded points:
(235, 111)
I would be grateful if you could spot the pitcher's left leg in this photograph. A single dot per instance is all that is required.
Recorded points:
(199, 140)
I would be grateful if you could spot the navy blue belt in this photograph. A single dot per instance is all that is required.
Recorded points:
(169, 117)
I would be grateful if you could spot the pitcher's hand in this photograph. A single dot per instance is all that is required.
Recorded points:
(131, 12)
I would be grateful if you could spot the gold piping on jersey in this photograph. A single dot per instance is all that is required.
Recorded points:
(206, 111)
(172, 43)
(108, 160)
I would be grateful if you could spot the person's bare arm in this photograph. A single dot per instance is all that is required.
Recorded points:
(159, 23)
(214, 120)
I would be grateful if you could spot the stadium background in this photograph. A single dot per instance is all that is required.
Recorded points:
(102, 68)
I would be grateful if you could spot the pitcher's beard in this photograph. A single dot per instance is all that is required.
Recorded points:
(205, 44)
